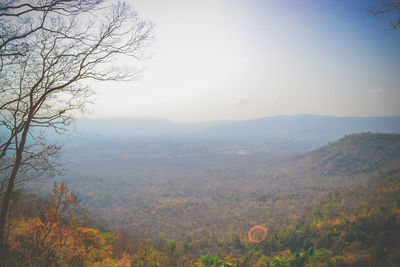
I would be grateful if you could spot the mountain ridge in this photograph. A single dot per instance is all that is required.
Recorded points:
(318, 130)
(353, 154)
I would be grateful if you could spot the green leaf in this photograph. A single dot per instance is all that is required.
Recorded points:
(311, 251)
(299, 256)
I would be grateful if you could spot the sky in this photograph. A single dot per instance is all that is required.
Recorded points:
(215, 60)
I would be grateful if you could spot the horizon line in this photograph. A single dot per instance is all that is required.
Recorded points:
(153, 118)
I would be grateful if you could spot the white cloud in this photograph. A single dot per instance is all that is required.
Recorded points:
(242, 101)
(375, 92)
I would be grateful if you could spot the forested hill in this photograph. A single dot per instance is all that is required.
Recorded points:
(353, 154)
(342, 199)
(196, 193)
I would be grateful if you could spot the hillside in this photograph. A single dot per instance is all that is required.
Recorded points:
(180, 210)
(353, 154)
(195, 193)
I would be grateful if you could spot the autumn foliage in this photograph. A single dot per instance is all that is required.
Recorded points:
(354, 226)
(56, 240)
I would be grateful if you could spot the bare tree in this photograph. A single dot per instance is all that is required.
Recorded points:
(48, 49)
(19, 20)
(389, 8)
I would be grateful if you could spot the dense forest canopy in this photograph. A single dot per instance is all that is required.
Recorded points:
(286, 190)
(340, 199)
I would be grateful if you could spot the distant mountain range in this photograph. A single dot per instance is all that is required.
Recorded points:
(308, 128)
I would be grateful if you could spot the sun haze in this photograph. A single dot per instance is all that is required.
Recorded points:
(232, 60)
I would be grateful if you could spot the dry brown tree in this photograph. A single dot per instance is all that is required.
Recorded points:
(49, 49)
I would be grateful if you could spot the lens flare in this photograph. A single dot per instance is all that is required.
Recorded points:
(257, 234)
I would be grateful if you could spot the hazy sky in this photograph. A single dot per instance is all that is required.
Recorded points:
(243, 59)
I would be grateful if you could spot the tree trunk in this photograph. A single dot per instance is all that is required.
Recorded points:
(7, 197)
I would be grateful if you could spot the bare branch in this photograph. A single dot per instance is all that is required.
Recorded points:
(388, 8)
(48, 49)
